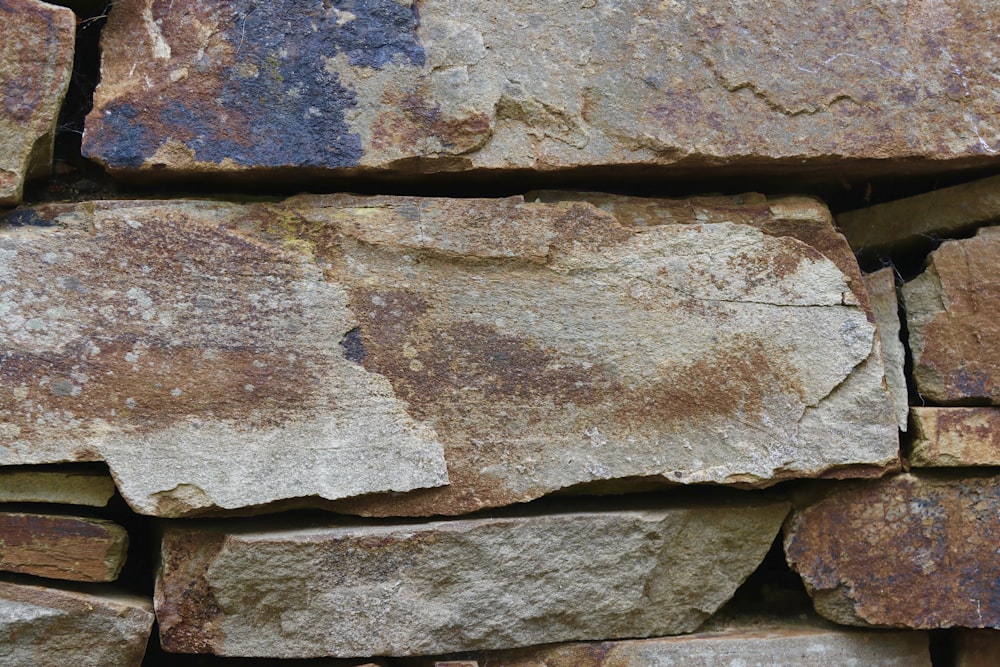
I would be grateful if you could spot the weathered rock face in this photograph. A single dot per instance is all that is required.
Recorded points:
(445, 85)
(330, 344)
(947, 437)
(954, 331)
(945, 212)
(62, 547)
(45, 626)
(93, 489)
(746, 642)
(881, 287)
(36, 61)
(457, 585)
(914, 550)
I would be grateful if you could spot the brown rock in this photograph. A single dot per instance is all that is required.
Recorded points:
(976, 648)
(467, 584)
(954, 331)
(47, 626)
(904, 222)
(916, 550)
(389, 86)
(85, 487)
(541, 345)
(757, 642)
(62, 547)
(955, 437)
(36, 61)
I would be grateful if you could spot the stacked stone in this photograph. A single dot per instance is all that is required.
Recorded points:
(533, 430)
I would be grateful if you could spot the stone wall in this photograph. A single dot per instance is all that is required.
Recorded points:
(403, 333)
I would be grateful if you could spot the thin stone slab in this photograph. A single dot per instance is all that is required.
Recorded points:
(466, 584)
(401, 86)
(951, 315)
(882, 293)
(48, 626)
(949, 437)
(976, 648)
(543, 345)
(916, 550)
(89, 488)
(941, 213)
(746, 642)
(36, 61)
(62, 547)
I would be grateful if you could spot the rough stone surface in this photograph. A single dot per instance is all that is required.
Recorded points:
(47, 626)
(93, 489)
(62, 547)
(545, 345)
(946, 437)
(36, 61)
(742, 642)
(917, 550)
(944, 212)
(881, 287)
(954, 331)
(446, 85)
(976, 648)
(457, 585)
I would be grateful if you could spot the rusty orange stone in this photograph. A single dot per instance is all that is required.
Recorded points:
(62, 547)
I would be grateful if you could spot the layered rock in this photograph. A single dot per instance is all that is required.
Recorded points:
(86, 487)
(467, 584)
(915, 550)
(62, 547)
(334, 346)
(739, 641)
(445, 85)
(45, 626)
(949, 437)
(36, 61)
(950, 310)
(940, 213)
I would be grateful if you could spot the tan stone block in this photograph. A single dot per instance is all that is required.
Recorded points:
(66, 487)
(62, 547)
(882, 293)
(949, 437)
(976, 648)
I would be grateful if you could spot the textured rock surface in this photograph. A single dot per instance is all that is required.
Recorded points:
(915, 550)
(755, 642)
(456, 585)
(443, 85)
(947, 437)
(36, 61)
(976, 648)
(93, 489)
(954, 331)
(62, 547)
(881, 287)
(545, 345)
(46, 626)
(944, 212)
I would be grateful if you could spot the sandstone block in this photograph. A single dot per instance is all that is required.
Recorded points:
(945, 212)
(881, 287)
(334, 346)
(47, 626)
(446, 85)
(916, 550)
(954, 331)
(747, 642)
(465, 584)
(976, 648)
(955, 437)
(89, 488)
(62, 547)
(36, 61)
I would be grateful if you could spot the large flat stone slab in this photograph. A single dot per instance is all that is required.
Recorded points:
(465, 584)
(950, 437)
(62, 547)
(36, 61)
(757, 642)
(88, 487)
(399, 86)
(48, 626)
(917, 550)
(954, 333)
(332, 345)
